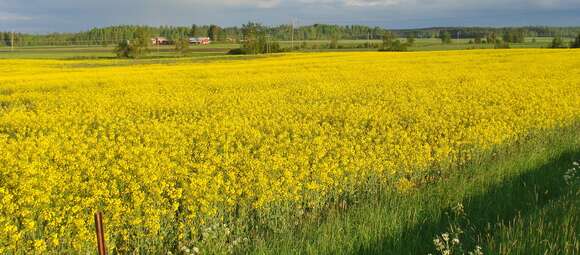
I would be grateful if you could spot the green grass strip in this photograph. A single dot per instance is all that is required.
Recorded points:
(517, 203)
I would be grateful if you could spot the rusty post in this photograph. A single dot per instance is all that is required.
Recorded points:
(100, 233)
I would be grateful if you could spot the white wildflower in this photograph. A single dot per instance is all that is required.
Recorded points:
(455, 240)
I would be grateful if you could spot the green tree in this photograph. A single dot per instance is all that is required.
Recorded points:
(136, 48)
(557, 42)
(333, 42)
(411, 39)
(213, 32)
(123, 49)
(388, 40)
(477, 38)
(513, 35)
(193, 30)
(253, 39)
(310, 32)
(399, 46)
(499, 44)
(445, 37)
(576, 42)
(491, 38)
(182, 46)
(390, 44)
(141, 42)
(4, 38)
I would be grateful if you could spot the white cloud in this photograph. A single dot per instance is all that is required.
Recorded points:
(552, 3)
(371, 3)
(448, 4)
(13, 17)
(74, 15)
(222, 3)
(256, 3)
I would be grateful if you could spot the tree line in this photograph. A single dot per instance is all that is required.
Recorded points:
(255, 39)
(116, 34)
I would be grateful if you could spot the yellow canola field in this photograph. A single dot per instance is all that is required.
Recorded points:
(166, 150)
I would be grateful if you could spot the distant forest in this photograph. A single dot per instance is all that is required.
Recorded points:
(115, 34)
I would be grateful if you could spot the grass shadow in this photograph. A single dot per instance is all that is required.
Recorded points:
(519, 196)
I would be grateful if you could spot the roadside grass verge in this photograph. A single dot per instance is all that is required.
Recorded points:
(516, 203)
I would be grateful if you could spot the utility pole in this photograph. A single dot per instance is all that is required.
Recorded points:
(369, 39)
(268, 44)
(292, 36)
(12, 41)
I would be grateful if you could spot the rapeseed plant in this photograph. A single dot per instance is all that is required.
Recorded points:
(168, 151)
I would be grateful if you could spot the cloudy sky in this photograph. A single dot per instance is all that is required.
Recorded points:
(43, 16)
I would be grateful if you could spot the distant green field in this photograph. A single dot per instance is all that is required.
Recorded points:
(219, 49)
(71, 52)
(421, 44)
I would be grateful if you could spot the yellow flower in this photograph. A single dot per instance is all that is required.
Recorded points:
(404, 185)
(39, 246)
(166, 151)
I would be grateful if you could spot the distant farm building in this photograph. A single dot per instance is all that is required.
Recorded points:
(199, 40)
(160, 41)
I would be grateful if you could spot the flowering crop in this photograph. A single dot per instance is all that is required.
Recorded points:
(182, 154)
